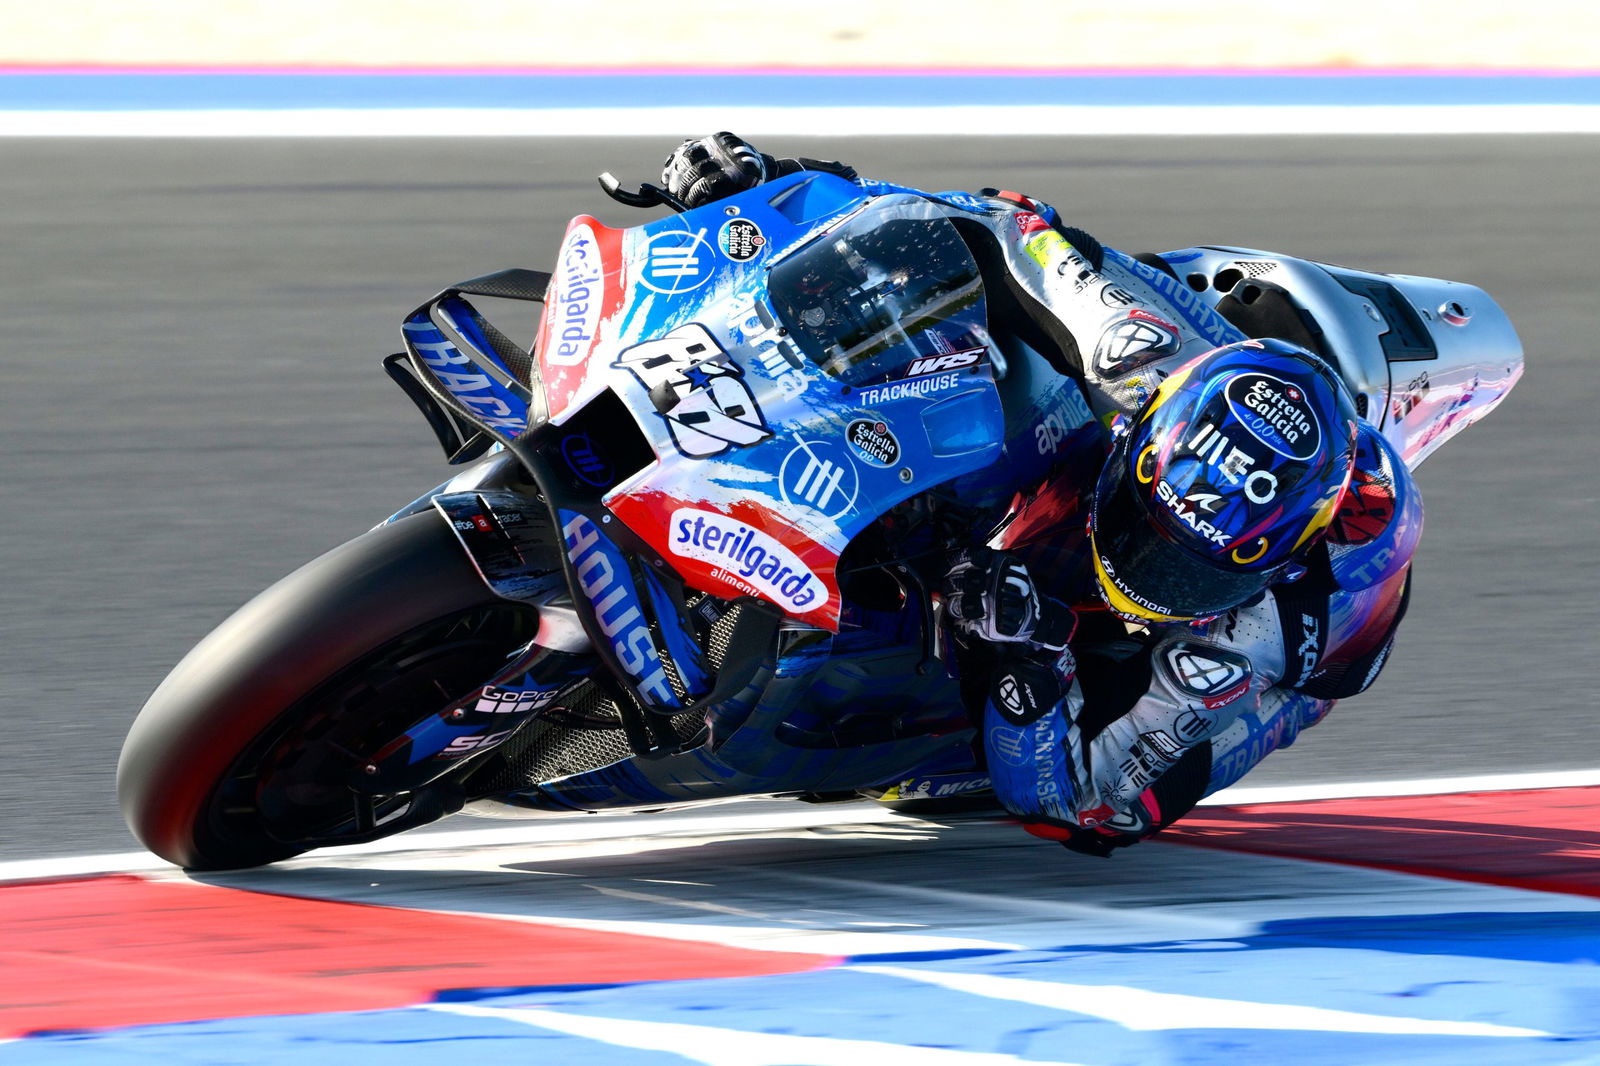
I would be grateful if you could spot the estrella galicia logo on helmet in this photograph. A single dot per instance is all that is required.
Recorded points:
(873, 441)
(1276, 413)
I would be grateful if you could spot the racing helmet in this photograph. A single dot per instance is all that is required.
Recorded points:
(1225, 476)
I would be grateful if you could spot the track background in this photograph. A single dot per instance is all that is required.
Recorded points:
(1154, 34)
(193, 404)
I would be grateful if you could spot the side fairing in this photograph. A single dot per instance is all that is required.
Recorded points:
(765, 466)
(585, 294)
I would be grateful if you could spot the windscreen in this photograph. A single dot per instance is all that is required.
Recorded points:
(893, 284)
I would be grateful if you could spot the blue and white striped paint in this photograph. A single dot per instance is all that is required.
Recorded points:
(653, 102)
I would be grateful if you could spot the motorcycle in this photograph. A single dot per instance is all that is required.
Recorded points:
(692, 550)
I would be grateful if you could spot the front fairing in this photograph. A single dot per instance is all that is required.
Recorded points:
(767, 456)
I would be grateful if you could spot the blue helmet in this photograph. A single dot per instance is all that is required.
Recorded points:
(1226, 475)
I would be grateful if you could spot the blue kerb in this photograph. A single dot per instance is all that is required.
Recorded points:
(272, 91)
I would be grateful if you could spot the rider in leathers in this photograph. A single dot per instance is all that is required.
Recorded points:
(1101, 727)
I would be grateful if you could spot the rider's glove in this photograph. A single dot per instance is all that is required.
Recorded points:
(991, 596)
(710, 168)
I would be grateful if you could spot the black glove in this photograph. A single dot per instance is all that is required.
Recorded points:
(991, 596)
(710, 168)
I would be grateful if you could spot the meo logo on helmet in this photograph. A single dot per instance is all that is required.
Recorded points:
(1235, 464)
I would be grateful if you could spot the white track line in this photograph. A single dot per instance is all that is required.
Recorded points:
(1143, 1010)
(1197, 120)
(567, 829)
(1436, 786)
(716, 1046)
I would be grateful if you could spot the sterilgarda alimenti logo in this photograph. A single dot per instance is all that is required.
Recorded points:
(747, 557)
(580, 290)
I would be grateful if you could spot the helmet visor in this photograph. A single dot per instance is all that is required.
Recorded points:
(1144, 574)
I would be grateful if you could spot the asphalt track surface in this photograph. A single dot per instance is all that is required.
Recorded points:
(192, 404)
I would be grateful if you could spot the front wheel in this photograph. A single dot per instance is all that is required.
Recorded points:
(243, 755)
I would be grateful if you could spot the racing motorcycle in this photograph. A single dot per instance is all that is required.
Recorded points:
(691, 550)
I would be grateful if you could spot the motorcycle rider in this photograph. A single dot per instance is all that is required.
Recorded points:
(1250, 536)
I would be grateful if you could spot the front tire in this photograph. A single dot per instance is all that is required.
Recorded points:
(236, 757)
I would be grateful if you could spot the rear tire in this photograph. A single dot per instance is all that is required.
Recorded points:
(252, 702)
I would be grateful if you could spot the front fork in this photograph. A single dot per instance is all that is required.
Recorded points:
(533, 677)
(510, 540)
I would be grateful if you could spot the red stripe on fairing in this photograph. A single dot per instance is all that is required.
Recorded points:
(1547, 840)
(648, 514)
(563, 381)
(115, 951)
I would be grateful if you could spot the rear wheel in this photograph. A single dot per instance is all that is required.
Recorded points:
(246, 753)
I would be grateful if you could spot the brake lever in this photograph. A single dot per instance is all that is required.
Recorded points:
(647, 195)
